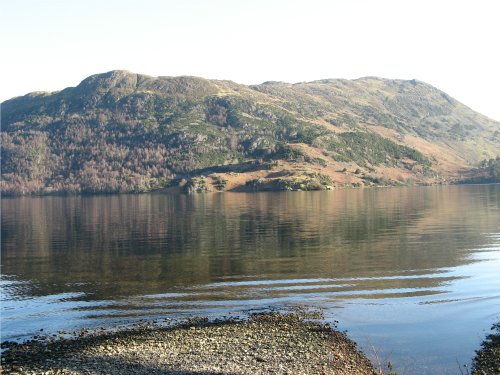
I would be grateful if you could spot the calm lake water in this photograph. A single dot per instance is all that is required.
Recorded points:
(412, 272)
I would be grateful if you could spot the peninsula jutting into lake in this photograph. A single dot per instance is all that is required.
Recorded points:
(120, 132)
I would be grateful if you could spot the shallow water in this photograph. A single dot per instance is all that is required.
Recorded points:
(412, 272)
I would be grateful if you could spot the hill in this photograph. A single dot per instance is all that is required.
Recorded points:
(126, 132)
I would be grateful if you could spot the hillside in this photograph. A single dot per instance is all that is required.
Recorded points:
(126, 132)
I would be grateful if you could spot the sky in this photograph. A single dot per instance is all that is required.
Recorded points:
(47, 45)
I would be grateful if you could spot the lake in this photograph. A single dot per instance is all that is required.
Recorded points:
(413, 274)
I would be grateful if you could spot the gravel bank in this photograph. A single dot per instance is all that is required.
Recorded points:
(263, 344)
(487, 361)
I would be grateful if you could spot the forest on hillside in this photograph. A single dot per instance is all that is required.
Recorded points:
(122, 132)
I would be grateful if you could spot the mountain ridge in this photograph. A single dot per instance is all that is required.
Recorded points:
(128, 132)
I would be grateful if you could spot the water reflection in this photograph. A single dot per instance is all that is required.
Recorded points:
(115, 246)
(69, 259)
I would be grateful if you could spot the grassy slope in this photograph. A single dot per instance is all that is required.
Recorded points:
(128, 132)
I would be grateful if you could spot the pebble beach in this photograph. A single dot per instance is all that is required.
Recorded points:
(270, 343)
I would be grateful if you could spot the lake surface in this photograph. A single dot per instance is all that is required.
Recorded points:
(412, 272)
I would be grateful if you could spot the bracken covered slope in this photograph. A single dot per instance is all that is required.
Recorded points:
(127, 132)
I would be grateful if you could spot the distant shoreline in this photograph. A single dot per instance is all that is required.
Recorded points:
(177, 191)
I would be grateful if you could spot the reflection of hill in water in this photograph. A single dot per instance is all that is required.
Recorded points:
(148, 244)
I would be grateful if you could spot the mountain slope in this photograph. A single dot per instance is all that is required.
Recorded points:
(126, 132)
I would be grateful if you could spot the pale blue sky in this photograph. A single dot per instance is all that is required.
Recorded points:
(51, 44)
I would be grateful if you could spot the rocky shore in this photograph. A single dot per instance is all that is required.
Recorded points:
(269, 343)
(487, 361)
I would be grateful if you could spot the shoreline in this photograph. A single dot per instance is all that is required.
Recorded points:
(243, 190)
(263, 343)
(487, 360)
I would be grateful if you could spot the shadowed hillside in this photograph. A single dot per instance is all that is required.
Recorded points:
(126, 132)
